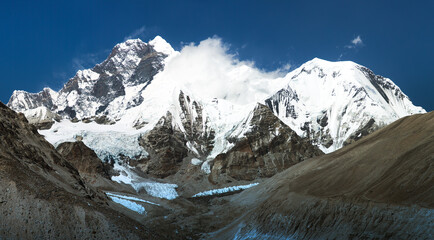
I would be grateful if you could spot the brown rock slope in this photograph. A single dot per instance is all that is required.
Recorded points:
(43, 197)
(381, 187)
(91, 169)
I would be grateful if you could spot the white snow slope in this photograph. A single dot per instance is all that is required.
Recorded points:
(342, 94)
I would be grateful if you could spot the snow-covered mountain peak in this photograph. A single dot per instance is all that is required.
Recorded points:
(323, 67)
(111, 86)
(326, 64)
(130, 45)
(125, 57)
(330, 101)
(160, 45)
(326, 80)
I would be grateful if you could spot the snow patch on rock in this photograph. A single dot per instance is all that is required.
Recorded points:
(129, 204)
(224, 190)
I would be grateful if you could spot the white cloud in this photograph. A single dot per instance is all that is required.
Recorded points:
(286, 67)
(136, 33)
(209, 71)
(89, 60)
(85, 61)
(356, 42)
(78, 63)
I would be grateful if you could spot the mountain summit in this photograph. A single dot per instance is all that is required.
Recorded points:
(335, 103)
(129, 68)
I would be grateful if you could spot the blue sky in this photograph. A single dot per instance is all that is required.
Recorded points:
(43, 43)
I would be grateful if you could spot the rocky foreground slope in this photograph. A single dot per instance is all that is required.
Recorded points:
(381, 187)
(44, 197)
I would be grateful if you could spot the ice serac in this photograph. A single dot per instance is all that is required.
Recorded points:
(336, 103)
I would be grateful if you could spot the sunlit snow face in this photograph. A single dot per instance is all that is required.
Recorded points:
(209, 71)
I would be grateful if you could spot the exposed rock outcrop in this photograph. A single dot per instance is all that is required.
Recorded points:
(83, 158)
(369, 128)
(170, 141)
(268, 147)
(93, 171)
(166, 147)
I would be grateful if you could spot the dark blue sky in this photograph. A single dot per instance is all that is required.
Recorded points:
(43, 43)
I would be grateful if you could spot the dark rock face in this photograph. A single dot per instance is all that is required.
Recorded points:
(284, 96)
(83, 159)
(166, 146)
(151, 64)
(197, 129)
(167, 143)
(369, 128)
(268, 148)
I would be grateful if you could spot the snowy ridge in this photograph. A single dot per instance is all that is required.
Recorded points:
(40, 115)
(160, 45)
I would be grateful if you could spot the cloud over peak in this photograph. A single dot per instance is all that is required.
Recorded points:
(136, 33)
(209, 70)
